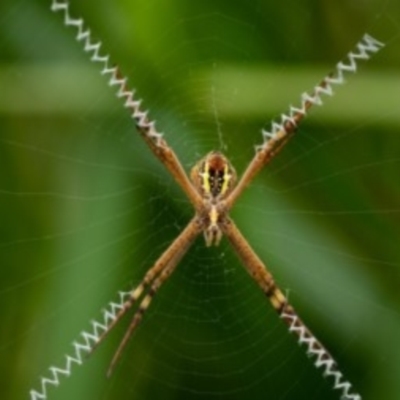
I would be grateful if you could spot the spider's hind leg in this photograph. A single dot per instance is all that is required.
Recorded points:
(265, 280)
(153, 280)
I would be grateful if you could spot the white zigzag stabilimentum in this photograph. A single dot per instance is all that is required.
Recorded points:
(80, 347)
(323, 358)
(364, 48)
(93, 48)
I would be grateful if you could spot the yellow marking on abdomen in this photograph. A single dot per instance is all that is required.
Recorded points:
(227, 177)
(205, 176)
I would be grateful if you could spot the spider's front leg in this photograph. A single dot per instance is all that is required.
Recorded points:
(281, 132)
(265, 280)
(154, 139)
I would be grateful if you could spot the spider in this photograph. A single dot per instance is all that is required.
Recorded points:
(213, 189)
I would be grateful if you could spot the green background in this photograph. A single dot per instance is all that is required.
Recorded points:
(85, 209)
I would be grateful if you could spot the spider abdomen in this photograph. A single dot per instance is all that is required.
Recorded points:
(214, 176)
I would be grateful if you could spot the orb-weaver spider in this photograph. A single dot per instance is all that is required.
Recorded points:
(212, 190)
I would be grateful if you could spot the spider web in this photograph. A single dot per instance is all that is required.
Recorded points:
(86, 210)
